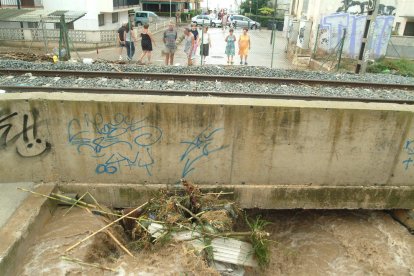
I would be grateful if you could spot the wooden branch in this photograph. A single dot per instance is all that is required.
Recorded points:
(189, 212)
(119, 243)
(103, 228)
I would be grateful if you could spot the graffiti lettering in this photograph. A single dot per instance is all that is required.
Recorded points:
(409, 150)
(201, 146)
(32, 145)
(333, 26)
(119, 142)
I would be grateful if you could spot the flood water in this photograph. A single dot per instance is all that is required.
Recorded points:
(339, 243)
(304, 242)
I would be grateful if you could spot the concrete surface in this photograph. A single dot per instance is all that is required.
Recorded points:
(21, 229)
(11, 198)
(260, 53)
(260, 196)
(215, 141)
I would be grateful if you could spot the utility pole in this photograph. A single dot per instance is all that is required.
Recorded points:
(273, 38)
(365, 50)
(19, 7)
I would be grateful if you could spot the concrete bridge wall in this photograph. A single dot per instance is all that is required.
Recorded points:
(273, 153)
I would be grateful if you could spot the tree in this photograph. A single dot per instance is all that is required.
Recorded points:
(255, 5)
(266, 11)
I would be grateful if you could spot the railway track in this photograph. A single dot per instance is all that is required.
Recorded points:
(198, 77)
(313, 83)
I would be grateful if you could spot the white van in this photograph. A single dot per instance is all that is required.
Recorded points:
(144, 17)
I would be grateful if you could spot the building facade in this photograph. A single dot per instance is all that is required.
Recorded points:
(165, 6)
(100, 14)
(404, 18)
(329, 24)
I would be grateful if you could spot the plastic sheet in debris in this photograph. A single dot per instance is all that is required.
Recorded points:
(156, 230)
(227, 250)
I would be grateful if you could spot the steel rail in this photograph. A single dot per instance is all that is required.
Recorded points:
(198, 77)
(120, 91)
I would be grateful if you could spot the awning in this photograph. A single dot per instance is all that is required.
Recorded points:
(36, 15)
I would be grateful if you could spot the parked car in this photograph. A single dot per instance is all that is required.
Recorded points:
(201, 20)
(215, 23)
(144, 17)
(241, 21)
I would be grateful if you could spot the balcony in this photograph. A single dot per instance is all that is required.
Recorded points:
(21, 4)
(121, 4)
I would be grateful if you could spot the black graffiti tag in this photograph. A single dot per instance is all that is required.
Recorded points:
(32, 145)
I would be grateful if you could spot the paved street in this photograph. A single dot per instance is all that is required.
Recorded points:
(260, 53)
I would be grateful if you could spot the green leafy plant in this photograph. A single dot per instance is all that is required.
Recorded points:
(259, 240)
(266, 11)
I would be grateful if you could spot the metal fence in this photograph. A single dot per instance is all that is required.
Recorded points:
(78, 36)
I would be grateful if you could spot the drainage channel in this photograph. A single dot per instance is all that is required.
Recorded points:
(197, 232)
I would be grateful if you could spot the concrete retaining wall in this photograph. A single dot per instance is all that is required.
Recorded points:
(315, 146)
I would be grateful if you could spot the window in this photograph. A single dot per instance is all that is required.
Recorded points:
(101, 19)
(397, 27)
(114, 17)
(409, 29)
(32, 25)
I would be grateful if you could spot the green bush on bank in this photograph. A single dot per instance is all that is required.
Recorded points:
(396, 66)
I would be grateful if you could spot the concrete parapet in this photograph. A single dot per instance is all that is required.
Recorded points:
(327, 154)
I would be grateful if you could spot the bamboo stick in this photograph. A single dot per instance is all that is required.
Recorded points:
(103, 228)
(71, 199)
(119, 243)
(74, 204)
(87, 264)
(51, 197)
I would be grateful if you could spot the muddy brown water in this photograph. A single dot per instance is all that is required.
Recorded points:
(304, 243)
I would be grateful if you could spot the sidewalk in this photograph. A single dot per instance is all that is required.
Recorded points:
(260, 53)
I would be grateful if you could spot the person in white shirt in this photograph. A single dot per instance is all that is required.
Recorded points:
(206, 44)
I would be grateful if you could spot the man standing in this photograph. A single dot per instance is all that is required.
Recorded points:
(121, 39)
(170, 37)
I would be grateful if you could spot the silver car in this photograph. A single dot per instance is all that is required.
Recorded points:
(241, 21)
(201, 20)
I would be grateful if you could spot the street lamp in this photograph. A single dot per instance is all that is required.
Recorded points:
(170, 10)
(250, 4)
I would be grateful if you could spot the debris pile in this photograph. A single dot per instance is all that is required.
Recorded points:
(26, 56)
(203, 222)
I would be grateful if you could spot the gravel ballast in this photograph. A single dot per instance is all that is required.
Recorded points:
(209, 70)
(207, 86)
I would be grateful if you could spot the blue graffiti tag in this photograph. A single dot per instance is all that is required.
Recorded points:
(409, 150)
(201, 146)
(128, 143)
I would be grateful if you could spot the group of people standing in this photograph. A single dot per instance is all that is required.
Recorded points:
(127, 39)
(192, 41)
